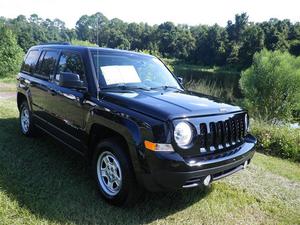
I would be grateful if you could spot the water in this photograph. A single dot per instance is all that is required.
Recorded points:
(226, 80)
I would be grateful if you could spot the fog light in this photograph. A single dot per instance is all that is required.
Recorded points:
(207, 180)
(245, 164)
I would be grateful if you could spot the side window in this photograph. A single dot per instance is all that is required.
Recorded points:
(71, 62)
(48, 64)
(30, 61)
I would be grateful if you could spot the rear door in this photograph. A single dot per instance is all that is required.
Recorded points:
(41, 85)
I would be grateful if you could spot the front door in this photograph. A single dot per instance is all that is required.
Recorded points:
(68, 105)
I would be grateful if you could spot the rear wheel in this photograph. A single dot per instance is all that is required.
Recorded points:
(114, 174)
(26, 121)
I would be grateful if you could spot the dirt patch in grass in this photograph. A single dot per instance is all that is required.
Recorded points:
(7, 87)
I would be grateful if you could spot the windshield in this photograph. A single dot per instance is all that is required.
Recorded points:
(129, 70)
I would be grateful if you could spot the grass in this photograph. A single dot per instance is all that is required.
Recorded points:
(42, 182)
(7, 84)
(212, 89)
(8, 79)
(214, 69)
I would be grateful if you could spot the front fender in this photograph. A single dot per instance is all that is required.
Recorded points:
(129, 128)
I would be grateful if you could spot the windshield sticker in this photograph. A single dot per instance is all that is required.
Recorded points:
(120, 74)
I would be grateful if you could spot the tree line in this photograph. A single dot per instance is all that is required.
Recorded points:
(234, 44)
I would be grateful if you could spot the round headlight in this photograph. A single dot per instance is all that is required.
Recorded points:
(183, 134)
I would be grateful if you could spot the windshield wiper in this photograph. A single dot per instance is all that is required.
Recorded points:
(165, 87)
(126, 87)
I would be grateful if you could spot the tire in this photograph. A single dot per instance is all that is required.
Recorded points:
(114, 174)
(26, 121)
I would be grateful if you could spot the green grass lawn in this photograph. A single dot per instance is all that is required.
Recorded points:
(7, 84)
(42, 182)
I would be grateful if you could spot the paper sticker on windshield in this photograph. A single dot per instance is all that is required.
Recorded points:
(120, 74)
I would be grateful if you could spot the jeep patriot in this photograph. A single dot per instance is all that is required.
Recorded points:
(131, 119)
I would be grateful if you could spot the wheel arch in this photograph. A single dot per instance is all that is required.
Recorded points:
(98, 132)
(21, 98)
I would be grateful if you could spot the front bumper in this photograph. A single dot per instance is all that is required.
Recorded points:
(169, 171)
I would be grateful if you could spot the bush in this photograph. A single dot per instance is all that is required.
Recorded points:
(281, 141)
(271, 85)
(83, 43)
(11, 53)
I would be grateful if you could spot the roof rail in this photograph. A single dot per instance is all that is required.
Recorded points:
(56, 43)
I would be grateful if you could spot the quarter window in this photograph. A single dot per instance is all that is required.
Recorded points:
(30, 61)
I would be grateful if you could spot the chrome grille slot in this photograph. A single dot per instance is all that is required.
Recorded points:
(222, 134)
(203, 135)
(233, 130)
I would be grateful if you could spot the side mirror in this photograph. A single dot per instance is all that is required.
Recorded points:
(180, 79)
(70, 80)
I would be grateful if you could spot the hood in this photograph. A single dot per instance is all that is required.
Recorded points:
(166, 105)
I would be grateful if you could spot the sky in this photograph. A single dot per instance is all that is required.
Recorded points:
(191, 12)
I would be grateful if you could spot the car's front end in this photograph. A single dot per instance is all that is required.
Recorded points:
(195, 139)
(201, 150)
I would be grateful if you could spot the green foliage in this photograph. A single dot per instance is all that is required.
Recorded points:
(211, 88)
(83, 43)
(233, 45)
(271, 85)
(213, 80)
(10, 53)
(277, 140)
(295, 47)
(35, 30)
(151, 52)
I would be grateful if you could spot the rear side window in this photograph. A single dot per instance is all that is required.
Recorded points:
(48, 64)
(71, 62)
(30, 61)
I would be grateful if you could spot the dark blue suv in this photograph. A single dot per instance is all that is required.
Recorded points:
(131, 119)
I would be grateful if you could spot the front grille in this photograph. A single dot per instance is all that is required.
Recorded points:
(218, 135)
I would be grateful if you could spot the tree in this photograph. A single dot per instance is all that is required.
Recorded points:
(214, 45)
(211, 45)
(271, 85)
(253, 41)
(276, 34)
(93, 28)
(166, 35)
(295, 47)
(236, 37)
(134, 35)
(184, 43)
(83, 43)
(10, 53)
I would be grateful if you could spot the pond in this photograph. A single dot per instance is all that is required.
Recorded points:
(224, 79)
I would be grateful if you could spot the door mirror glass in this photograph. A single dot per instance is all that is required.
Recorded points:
(69, 80)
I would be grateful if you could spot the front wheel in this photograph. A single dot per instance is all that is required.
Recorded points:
(114, 174)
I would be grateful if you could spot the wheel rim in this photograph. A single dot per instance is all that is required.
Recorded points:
(25, 122)
(109, 173)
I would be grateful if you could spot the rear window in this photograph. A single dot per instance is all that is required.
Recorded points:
(30, 61)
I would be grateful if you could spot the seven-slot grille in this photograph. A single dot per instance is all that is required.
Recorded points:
(218, 135)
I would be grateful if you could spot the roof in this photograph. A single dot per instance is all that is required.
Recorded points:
(84, 48)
